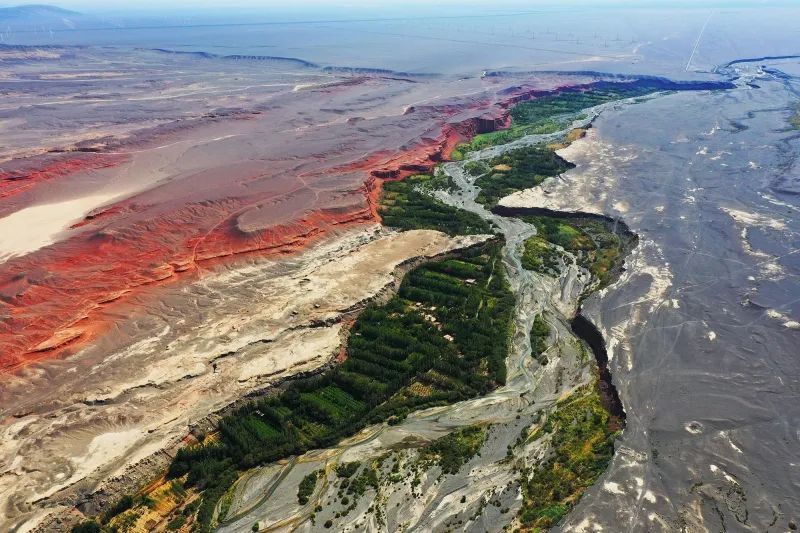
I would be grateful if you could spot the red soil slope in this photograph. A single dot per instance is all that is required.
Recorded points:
(18, 177)
(49, 299)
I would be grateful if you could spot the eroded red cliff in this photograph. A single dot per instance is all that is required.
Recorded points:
(57, 299)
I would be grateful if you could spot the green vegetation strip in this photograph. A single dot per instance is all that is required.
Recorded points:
(89, 526)
(593, 242)
(307, 486)
(352, 486)
(795, 120)
(442, 339)
(407, 204)
(353, 480)
(126, 503)
(541, 256)
(453, 451)
(540, 334)
(582, 435)
(514, 171)
(554, 112)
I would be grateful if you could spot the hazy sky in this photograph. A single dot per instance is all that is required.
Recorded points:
(191, 6)
(259, 11)
(250, 4)
(371, 5)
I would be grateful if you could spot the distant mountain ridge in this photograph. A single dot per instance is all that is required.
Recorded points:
(42, 18)
(34, 10)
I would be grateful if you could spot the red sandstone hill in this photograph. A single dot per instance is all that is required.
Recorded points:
(265, 186)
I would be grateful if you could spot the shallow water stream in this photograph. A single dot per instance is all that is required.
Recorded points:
(700, 332)
(268, 495)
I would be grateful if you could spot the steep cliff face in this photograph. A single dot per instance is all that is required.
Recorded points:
(59, 298)
(51, 301)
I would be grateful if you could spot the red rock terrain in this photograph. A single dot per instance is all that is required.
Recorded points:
(172, 245)
(269, 185)
(20, 176)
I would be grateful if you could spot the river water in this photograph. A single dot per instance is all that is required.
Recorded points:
(701, 331)
(267, 496)
(703, 328)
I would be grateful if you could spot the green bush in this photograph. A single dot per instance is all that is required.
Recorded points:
(307, 486)
(595, 243)
(516, 170)
(405, 205)
(125, 503)
(582, 444)
(540, 333)
(398, 361)
(89, 526)
(452, 451)
(176, 523)
(553, 112)
(346, 470)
